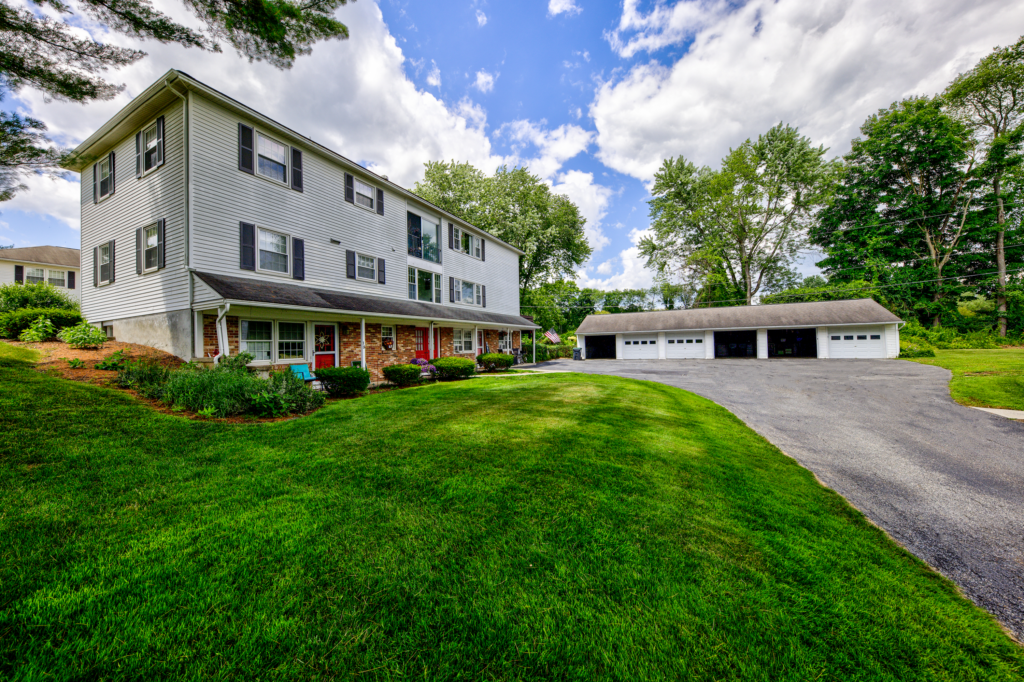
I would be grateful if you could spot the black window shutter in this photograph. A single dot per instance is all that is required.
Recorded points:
(350, 188)
(19, 274)
(95, 266)
(138, 251)
(160, 141)
(111, 261)
(113, 175)
(451, 236)
(298, 258)
(483, 295)
(71, 279)
(380, 202)
(380, 271)
(451, 290)
(246, 158)
(138, 155)
(296, 169)
(95, 182)
(161, 230)
(246, 246)
(483, 253)
(350, 264)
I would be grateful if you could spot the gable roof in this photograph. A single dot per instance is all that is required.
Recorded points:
(779, 315)
(45, 255)
(245, 290)
(161, 92)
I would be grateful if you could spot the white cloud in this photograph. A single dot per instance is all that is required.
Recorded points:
(484, 81)
(605, 268)
(434, 76)
(481, 18)
(58, 198)
(553, 147)
(569, 7)
(634, 274)
(592, 200)
(822, 65)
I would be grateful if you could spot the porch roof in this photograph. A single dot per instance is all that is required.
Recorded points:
(244, 290)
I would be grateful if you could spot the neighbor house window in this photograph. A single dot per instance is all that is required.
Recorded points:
(106, 178)
(424, 286)
(105, 263)
(272, 158)
(365, 195)
(273, 251)
(55, 277)
(34, 276)
(387, 337)
(291, 340)
(366, 267)
(151, 248)
(256, 338)
(150, 142)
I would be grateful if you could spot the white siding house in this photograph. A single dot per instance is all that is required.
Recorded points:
(57, 265)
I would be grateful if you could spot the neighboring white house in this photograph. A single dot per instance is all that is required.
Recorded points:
(859, 328)
(209, 228)
(57, 265)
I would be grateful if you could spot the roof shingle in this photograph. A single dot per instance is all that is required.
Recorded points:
(46, 255)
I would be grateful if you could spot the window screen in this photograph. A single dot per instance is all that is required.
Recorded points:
(256, 339)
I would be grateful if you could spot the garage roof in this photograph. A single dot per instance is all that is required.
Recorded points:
(779, 315)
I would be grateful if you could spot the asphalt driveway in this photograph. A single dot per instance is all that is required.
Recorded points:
(944, 480)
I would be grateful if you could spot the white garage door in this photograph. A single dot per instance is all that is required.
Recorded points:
(856, 342)
(641, 347)
(685, 346)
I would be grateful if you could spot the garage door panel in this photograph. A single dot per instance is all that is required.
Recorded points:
(856, 342)
(641, 347)
(684, 346)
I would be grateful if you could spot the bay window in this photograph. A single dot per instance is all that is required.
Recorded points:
(256, 337)
(271, 158)
(291, 340)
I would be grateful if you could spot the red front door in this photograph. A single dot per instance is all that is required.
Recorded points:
(324, 348)
(422, 351)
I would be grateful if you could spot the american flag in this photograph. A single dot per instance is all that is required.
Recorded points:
(553, 336)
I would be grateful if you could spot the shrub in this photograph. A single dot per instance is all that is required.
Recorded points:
(403, 375)
(82, 335)
(340, 381)
(295, 394)
(20, 296)
(146, 375)
(12, 324)
(40, 330)
(225, 392)
(76, 363)
(235, 363)
(453, 368)
(114, 361)
(911, 349)
(495, 361)
(542, 352)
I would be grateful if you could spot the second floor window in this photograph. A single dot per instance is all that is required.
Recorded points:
(150, 141)
(366, 267)
(467, 243)
(34, 276)
(106, 178)
(273, 251)
(151, 248)
(424, 286)
(365, 195)
(272, 158)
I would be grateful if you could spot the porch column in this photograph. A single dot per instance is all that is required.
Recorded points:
(430, 342)
(533, 343)
(362, 342)
(475, 347)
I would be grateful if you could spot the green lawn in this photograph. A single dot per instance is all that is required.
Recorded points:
(563, 527)
(984, 378)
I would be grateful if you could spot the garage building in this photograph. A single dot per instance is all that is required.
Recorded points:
(859, 328)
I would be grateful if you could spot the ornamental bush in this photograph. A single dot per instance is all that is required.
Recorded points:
(145, 375)
(342, 381)
(912, 349)
(43, 295)
(403, 375)
(13, 323)
(40, 330)
(82, 335)
(226, 392)
(454, 368)
(493, 362)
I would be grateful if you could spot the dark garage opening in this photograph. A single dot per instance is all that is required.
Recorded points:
(736, 344)
(600, 347)
(792, 343)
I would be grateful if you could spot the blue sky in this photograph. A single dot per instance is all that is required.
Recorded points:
(591, 96)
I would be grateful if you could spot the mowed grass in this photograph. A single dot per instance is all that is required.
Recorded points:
(563, 527)
(984, 378)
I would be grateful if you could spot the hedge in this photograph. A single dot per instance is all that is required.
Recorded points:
(403, 375)
(454, 368)
(17, 321)
(342, 381)
(911, 349)
(495, 361)
(43, 295)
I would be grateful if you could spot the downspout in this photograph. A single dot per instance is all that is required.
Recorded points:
(362, 342)
(222, 334)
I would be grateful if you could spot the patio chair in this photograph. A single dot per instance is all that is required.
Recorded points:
(302, 371)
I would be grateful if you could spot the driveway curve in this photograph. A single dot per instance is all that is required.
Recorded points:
(946, 481)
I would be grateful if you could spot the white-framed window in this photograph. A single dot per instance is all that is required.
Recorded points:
(150, 142)
(467, 243)
(271, 158)
(424, 286)
(55, 277)
(291, 340)
(366, 267)
(104, 251)
(463, 341)
(35, 275)
(273, 251)
(150, 248)
(106, 178)
(387, 337)
(365, 195)
(467, 292)
(257, 336)
(504, 341)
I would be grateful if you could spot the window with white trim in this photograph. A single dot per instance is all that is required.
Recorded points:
(467, 292)
(256, 338)
(150, 140)
(387, 337)
(106, 179)
(273, 248)
(463, 341)
(271, 158)
(34, 276)
(104, 252)
(467, 243)
(55, 277)
(291, 340)
(366, 267)
(504, 341)
(424, 286)
(365, 195)
(150, 248)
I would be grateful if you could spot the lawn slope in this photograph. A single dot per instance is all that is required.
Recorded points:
(984, 378)
(538, 527)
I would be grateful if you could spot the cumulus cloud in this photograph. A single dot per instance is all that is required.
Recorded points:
(633, 274)
(434, 76)
(481, 18)
(822, 65)
(556, 7)
(59, 198)
(484, 81)
(553, 147)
